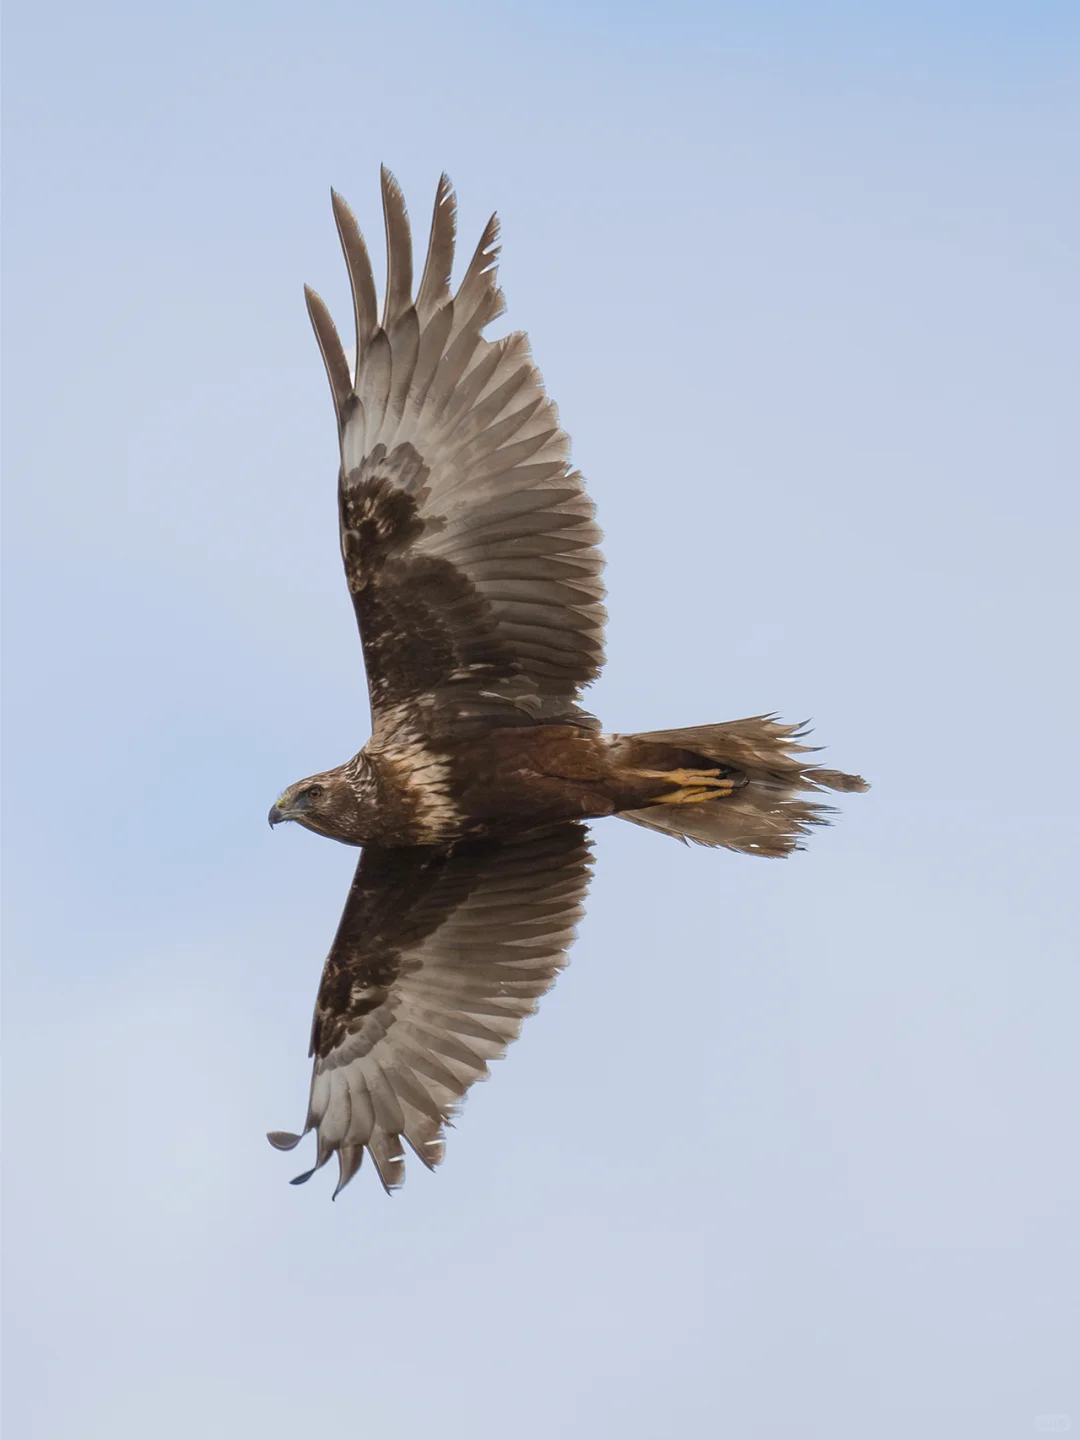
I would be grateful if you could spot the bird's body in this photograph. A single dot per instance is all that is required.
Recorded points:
(471, 558)
(409, 789)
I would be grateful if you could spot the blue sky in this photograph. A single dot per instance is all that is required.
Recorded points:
(790, 1150)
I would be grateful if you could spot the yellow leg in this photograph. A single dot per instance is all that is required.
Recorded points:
(694, 786)
(694, 794)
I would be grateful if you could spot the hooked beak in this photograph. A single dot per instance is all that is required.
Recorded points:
(277, 814)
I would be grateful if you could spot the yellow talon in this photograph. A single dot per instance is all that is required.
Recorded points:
(681, 777)
(693, 786)
(695, 794)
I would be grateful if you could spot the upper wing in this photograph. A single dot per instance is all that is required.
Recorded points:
(439, 957)
(468, 539)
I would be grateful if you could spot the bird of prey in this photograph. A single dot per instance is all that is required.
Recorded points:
(471, 557)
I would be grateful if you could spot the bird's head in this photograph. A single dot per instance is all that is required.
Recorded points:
(331, 803)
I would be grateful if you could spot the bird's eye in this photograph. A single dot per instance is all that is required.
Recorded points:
(314, 791)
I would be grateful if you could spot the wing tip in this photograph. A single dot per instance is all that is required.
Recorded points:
(283, 1139)
(388, 180)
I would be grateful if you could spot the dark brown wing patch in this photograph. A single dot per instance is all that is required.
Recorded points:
(439, 957)
(425, 628)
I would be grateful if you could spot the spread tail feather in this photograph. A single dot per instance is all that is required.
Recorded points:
(771, 810)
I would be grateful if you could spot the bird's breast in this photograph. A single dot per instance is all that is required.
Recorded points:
(416, 792)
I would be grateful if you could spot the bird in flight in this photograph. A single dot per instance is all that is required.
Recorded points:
(471, 557)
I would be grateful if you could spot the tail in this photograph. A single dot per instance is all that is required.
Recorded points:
(769, 810)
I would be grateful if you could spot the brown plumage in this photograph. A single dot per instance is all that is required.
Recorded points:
(470, 553)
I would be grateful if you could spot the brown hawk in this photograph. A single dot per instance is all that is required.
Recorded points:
(471, 557)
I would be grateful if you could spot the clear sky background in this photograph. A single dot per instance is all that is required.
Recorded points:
(792, 1148)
